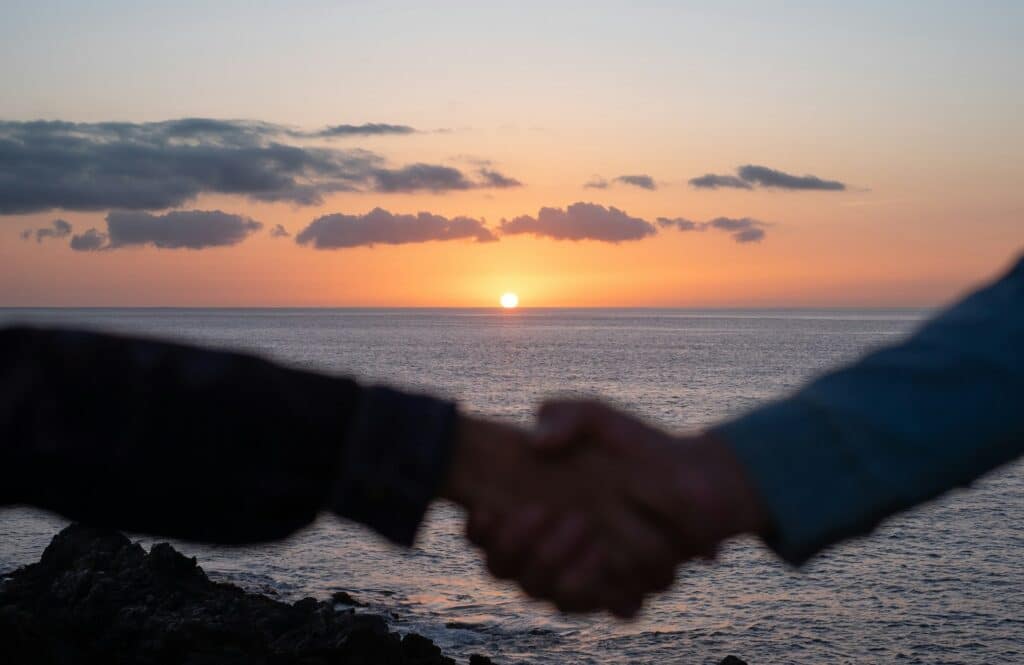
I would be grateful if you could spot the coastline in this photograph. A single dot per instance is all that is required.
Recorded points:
(95, 596)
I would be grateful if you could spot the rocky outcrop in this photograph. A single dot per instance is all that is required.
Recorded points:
(96, 597)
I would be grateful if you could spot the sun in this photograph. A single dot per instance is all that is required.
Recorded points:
(509, 300)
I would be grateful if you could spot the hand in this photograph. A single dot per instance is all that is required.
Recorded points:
(574, 503)
(694, 484)
(674, 499)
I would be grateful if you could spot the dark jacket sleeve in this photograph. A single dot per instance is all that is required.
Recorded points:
(208, 445)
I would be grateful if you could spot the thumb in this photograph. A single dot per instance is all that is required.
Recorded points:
(560, 424)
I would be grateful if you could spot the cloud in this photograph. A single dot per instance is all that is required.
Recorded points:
(750, 175)
(712, 181)
(434, 178)
(642, 181)
(681, 224)
(366, 129)
(90, 241)
(58, 228)
(749, 235)
(339, 231)
(491, 178)
(581, 221)
(742, 229)
(279, 232)
(766, 177)
(160, 165)
(181, 229)
(639, 180)
(421, 177)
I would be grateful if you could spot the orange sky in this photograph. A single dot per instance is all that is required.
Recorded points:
(822, 249)
(919, 118)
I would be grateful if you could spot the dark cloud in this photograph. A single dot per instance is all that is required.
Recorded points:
(379, 226)
(642, 181)
(366, 129)
(492, 178)
(750, 175)
(680, 224)
(733, 223)
(58, 228)
(712, 181)
(159, 165)
(421, 177)
(581, 221)
(742, 229)
(749, 235)
(638, 180)
(46, 165)
(181, 229)
(766, 177)
(279, 232)
(90, 241)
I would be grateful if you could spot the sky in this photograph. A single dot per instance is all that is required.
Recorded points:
(585, 154)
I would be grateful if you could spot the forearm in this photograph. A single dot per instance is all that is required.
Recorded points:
(207, 445)
(900, 426)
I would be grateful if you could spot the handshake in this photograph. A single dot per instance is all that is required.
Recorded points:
(595, 509)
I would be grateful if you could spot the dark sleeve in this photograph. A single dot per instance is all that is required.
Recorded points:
(207, 445)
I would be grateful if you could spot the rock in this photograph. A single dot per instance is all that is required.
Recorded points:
(464, 625)
(732, 660)
(344, 598)
(477, 659)
(419, 649)
(96, 597)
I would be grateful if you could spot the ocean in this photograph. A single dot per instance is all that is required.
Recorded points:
(941, 584)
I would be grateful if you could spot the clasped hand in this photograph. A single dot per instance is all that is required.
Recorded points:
(595, 509)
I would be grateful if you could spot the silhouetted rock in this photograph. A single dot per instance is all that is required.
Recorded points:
(95, 597)
(732, 660)
(344, 598)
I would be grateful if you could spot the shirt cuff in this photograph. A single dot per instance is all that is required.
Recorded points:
(813, 490)
(394, 461)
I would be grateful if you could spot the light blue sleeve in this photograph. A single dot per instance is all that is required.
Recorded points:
(896, 428)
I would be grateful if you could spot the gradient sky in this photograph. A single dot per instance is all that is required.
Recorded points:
(915, 107)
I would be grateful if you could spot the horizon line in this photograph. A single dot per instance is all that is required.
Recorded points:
(496, 308)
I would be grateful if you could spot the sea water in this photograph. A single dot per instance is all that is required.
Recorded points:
(941, 584)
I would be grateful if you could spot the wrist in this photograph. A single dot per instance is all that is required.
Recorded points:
(721, 488)
(458, 482)
(482, 449)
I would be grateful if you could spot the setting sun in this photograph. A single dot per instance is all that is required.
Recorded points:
(509, 300)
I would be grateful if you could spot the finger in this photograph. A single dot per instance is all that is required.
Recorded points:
(627, 607)
(562, 542)
(643, 557)
(619, 595)
(624, 594)
(507, 547)
(559, 425)
(562, 423)
(583, 584)
(710, 554)
(553, 550)
(480, 526)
